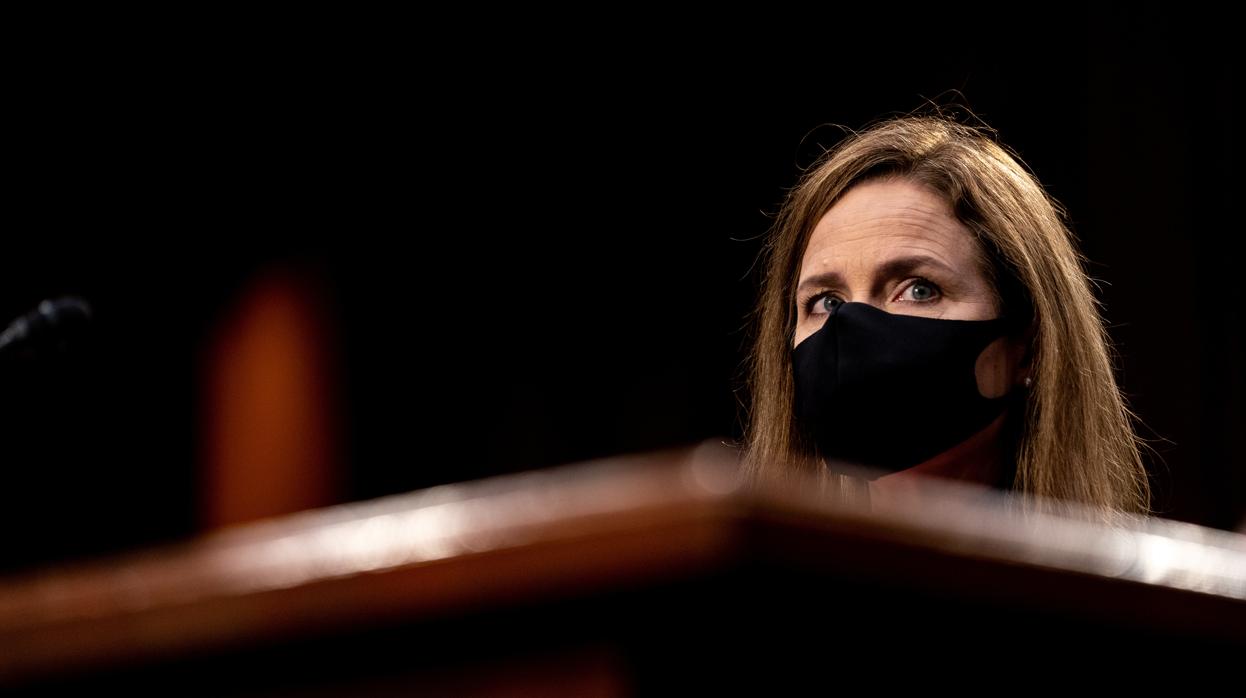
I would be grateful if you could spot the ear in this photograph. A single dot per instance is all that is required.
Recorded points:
(1023, 347)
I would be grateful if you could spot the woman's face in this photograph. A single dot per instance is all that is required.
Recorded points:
(895, 245)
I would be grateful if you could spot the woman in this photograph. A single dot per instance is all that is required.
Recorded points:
(924, 312)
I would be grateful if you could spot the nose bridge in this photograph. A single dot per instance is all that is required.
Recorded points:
(861, 290)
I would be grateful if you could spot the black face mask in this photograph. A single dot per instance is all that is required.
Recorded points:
(888, 391)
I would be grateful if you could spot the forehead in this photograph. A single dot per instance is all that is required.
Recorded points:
(879, 218)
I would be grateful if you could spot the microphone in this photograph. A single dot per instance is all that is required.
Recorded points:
(56, 318)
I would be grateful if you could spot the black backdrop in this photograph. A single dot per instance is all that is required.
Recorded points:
(537, 247)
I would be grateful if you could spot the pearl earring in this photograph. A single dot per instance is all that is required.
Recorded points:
(1029, 381)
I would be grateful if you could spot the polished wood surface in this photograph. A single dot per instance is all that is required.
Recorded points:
(591, 530)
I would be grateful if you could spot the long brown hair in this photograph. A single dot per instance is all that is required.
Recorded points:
(1075, 441)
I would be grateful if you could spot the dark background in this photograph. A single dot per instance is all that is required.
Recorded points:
(537, 248)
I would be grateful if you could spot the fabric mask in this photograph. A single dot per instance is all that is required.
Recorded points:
(888, 391)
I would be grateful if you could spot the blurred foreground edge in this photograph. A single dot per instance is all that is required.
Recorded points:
(630, 575)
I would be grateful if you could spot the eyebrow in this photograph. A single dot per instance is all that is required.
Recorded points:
(893, 267)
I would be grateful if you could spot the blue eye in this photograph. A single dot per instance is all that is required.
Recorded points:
(824, 303)
(923, 290)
